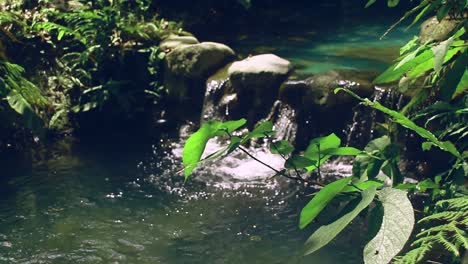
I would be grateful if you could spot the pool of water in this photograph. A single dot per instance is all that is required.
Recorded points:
(130, 206)
(345, 46)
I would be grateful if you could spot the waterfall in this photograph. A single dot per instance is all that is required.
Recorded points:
(211, 109)
(365, 119)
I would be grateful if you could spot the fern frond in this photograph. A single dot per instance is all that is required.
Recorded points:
(441, 228)
(446, 216)
(447, 244)
(414, 256)
(424, 240)
(460, 238)
(460, 203)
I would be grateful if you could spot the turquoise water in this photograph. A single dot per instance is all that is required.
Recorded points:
(342, 47)
(121, 206)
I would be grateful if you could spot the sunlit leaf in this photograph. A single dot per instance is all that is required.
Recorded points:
(317, 146)
(395, 230)
(440, 51)
(195, 145)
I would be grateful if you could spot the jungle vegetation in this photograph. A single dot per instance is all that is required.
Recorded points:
(65, 62)
(434, 72)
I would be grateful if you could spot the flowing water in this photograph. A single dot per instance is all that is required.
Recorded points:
(123, 205)
(128, 204)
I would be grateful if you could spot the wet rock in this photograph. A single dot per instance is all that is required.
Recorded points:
(198, 60)
(187, 66)
(246, 88)
(318, 91)
(319, 110)
(434, 30)
(174, 41)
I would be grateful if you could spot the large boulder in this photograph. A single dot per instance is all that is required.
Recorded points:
(188, 65)
(198, 60)
(435, 30)
(317, 92)
(246, 88)
(319, 111)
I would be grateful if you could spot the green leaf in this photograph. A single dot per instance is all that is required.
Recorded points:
(439, 53)
(370, 2)
(425, 66)
(406, 122)
(393, 74)
(282, 147)
(22, 107)
(261, 129)
(443, 11)
(320, 201)
(327, 233)
(316, 147)
(393, 3)
(427, 184)
(396, 228)
(409, 46)
(195, 145)
(232, 126)
(462, 86)
(428, 7)
(343, 151)
(361, 186)
(409, 57)
(455, 82)
(298, 162)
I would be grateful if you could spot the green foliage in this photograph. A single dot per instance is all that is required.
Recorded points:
(321, 200)
(325, 234)
(195, 145)
(406, 122)
(22, 96)
(447, 232)
(380, 157)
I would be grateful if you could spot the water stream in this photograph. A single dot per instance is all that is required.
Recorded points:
(124, 204)
(131, 207)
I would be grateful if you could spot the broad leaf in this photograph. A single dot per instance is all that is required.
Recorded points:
(261, 130)
(396, 228)
(327, 233)
(343, 151)
(320, 201)
(195, 145)
(362, 186)
(316, 148)
(22, 107)
(231, 126)
(439, 53)
(455, 82)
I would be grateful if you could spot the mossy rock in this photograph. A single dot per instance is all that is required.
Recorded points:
(433, 30)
